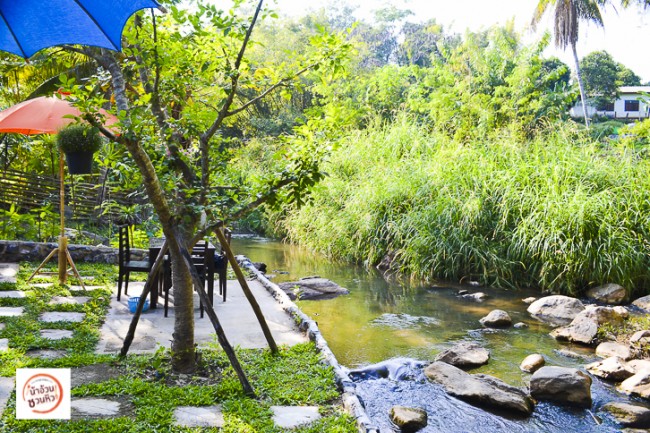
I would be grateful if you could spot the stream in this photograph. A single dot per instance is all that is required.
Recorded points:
(379, 320)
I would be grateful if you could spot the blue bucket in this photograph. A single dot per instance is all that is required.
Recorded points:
(133, 304)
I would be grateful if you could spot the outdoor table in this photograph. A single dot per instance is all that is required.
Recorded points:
(205, 250)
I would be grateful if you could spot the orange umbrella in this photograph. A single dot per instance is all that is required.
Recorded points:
(47, 115)
(43, 115)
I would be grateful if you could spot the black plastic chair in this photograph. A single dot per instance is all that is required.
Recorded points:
(200, 261)
(125, 264)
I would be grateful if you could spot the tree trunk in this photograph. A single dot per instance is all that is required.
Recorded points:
(183, 359)
(583, 97)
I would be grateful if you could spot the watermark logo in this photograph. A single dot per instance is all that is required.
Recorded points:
(43, 393)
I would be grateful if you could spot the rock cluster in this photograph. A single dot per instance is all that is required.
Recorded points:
(626, 364)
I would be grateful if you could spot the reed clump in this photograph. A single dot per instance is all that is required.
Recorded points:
(560, 212)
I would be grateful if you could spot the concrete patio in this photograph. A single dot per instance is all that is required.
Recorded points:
(235, 315)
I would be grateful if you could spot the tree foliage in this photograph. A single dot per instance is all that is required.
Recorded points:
(603, 76)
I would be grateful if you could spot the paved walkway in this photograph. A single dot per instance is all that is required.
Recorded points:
(235, 315)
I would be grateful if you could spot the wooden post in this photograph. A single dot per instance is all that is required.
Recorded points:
(247, 290)
(128, 339)
(63, 241)
(221, 336)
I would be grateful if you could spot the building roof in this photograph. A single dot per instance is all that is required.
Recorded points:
(634, 89)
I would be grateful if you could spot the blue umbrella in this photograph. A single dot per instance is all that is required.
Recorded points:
(28, 26)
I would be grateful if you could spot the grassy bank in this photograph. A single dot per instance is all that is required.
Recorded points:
(559, 212)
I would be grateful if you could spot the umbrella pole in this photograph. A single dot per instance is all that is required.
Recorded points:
(63, 241)
(62, 250)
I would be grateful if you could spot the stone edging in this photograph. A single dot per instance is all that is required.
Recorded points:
(17, 251)
(350, 399)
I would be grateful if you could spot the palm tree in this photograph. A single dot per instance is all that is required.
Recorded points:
(568, 14)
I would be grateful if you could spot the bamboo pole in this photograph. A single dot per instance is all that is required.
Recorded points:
(128, 339)
(196, 279)
(63, 241)
(221, 336)
(247, 290)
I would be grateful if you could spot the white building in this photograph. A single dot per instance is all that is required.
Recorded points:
(633, 102)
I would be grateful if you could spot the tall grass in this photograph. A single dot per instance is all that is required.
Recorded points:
(559, 212)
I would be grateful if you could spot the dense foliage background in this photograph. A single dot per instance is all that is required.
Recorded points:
(443, 155)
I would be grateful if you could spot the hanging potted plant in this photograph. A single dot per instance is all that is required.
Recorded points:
(79, 142)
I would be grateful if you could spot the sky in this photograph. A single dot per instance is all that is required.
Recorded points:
(626, 34)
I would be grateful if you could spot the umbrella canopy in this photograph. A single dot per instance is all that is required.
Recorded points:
(28, 26)
(43, 115)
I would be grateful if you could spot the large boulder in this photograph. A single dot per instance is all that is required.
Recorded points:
(612, 368)
(479, 389)
(638, 385)
(643, 303)
(641, 337)
(611, 294)
(629, 415)
(313, 288)
(612, 348)
(465, 355)
(584, 328)
(561, 385)
(496, 319)
(556, 309)
(408, 419)
(639, 365)
(532, 363)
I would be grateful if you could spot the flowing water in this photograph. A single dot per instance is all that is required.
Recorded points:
(381, 320)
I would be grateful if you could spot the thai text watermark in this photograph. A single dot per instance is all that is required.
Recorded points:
(43, 393)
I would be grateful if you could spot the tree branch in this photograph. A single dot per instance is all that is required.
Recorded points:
(282, 82)
(223, 113)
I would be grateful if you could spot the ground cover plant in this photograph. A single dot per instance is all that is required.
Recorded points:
(146, 385)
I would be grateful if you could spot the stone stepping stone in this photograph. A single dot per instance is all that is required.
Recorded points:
(145, 343)
(63, 300)
(56, 334)
(205, 416)
(8, 272)
(293, 416)
(95, 373)
(95, 407)
(12, 294)
(6, 389)
(11, 311)
(60, 316)
(88, 288)
(4, 344)
(41, 285)
(102, 407)
(46, 353)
